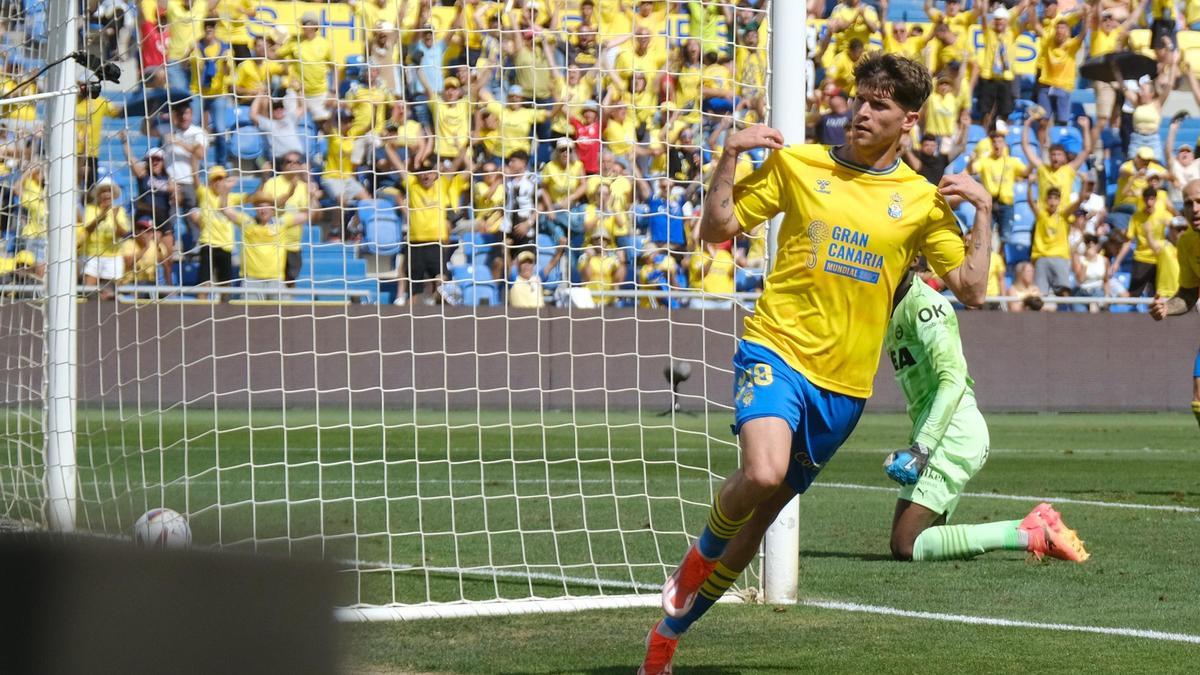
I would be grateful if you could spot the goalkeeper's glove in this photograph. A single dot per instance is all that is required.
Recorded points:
(905, 466)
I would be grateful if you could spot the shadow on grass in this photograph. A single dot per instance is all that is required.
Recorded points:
(865, 557)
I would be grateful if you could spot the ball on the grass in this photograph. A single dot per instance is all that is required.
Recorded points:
(163, 529)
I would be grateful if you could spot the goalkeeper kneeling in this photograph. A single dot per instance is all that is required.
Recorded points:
(949, 443)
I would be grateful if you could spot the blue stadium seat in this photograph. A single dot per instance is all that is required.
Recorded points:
(1020, 192)
(381, 225)
(976, 133)
(1023, 218)
(959, 164)
(1070, 137)
(247, 143)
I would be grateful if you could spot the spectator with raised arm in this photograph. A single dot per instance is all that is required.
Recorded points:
(1182, 163)
(156, 199)
(1055, 169)
(105, 225)
(311, 58)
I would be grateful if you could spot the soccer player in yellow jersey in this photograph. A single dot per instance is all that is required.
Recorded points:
(854, 218)
(1184, 301)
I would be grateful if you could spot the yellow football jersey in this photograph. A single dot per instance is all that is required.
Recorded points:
(848, 236)
(1187, 249)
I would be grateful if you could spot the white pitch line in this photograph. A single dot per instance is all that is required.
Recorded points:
(637, 481)
(1007, 623)
(821, 604)
(1028, 498)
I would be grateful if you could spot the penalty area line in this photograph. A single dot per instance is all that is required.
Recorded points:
(1028, 498)
(1005, 623)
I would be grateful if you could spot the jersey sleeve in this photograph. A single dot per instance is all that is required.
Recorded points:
(1189, 262)
(937, 329)
(760, 196)
(943, 244)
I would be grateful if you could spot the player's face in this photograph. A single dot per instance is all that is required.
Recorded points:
(1191, 204)
(877, 120)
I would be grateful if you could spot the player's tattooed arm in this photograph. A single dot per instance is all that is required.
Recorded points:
(718, 222)
(969, 280)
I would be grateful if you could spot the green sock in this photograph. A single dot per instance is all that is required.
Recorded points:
(959, 542)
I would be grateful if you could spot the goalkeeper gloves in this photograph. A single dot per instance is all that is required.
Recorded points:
(905, 466)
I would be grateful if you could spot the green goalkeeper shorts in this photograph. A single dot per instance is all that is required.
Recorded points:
(954, 462)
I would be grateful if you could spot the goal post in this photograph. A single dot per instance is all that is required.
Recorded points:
(457, 455)
(60, 311)
(789, 110)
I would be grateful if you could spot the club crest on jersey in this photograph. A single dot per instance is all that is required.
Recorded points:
(823, 186)
(894, 209)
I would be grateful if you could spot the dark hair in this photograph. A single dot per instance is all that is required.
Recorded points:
(1149, 192)
(519, 154)
(1054, 192)
(1090, 239)
(1033, 303)
(896, 77)
(928, 137)
(855, 44)
(1059, 147)
(179, 106)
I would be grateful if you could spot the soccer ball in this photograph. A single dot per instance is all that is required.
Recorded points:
(162, 528)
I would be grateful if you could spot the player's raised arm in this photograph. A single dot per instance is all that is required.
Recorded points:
(718, 223)
(969, 280)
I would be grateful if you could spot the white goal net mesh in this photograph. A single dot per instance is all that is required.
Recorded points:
(395, 283)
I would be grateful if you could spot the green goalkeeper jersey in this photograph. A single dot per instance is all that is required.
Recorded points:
(923, 344)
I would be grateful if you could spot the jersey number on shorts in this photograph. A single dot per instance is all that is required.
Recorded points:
(902, 358)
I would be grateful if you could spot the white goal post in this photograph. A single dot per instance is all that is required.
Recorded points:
(463, 458)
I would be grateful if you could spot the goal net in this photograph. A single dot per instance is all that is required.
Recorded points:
(406, 285)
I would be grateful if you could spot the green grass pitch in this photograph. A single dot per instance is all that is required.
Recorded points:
(586, 503)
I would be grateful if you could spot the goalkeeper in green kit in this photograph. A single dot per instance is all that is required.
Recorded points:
(949, 444)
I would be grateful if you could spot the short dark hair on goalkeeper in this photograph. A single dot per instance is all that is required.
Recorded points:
(899, 78)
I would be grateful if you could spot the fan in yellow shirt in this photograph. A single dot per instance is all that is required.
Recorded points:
(233, 24)
(1166, 282)
(186, 21)
(31, 195)
(105, 224)
(999, 172)
(750, 68)
(90, 114)
(451, 122)
(488, 199)
(216, 215)
(517, 120)
(712, 273)
(260, 74)
(1146, 231)
(264, 250)
(1057, 171)
(1051, 251)
(600, 267)
(1059, 57)
(311, 57)
(852, 20)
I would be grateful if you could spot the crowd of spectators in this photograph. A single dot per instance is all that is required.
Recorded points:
(520, 151)
(1084, 173)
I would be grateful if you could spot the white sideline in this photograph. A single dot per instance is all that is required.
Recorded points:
(651, 599)
(1007, 623)
(1027, 498)
(685, 479)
